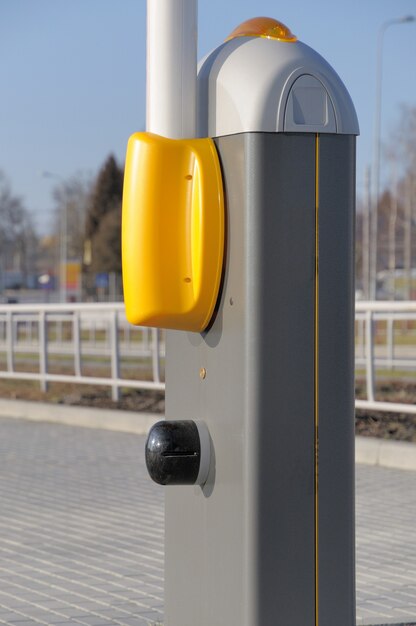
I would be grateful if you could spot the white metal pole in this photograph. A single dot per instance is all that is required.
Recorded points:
(43, 350)
(408, 238)
(76, 340)
(392, 233)
(366, 235)
(155, 355)
(376, 162)
(115, 356)
(171, 67)
(377, 146)
(369, 354)
(9, 341)
(63, 253)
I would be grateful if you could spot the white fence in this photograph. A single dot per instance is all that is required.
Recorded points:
(385, 340)
(63, 342)
(79, 337)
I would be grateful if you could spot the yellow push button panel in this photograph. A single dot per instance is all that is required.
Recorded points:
(172, 232)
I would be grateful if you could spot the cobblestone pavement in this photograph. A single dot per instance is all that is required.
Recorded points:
(81, 532)
(386, 546)
(81, 528)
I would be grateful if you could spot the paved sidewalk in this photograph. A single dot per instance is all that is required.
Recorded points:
(81, 528)
(386, 545)
(81, 532)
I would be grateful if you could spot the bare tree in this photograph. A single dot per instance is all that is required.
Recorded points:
(397, 211)
(71, 203)
(18, 240)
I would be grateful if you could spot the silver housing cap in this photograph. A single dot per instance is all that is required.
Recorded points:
(255, 84)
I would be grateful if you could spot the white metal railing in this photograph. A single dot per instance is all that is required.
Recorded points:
(97, 336)
(88, 336)
(375, 350)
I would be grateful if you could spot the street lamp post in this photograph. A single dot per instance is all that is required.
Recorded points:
(366, 235)
(62, 243)
(377, 146)
(63, 255)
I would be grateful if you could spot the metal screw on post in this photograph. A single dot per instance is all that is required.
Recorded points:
(377, 147)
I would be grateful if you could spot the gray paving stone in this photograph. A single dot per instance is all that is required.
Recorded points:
(386, 545)
(81, 532)
(81, 527)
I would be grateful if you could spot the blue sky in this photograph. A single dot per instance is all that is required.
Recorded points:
(72, 75)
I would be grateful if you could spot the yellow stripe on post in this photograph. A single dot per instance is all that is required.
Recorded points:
(316, 382)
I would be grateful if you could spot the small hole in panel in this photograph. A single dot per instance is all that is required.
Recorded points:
(187, 280)
(188, 177)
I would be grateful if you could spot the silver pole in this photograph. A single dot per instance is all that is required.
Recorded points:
(377, 147)
(369, 354)
(63, 254)
(171, 68)
(408, 237)
(115, 356)
(63, 235)
(366, 234)
(392, 233)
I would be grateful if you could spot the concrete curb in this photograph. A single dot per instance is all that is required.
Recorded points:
(368, 450)
(385, 453)
(106, 419)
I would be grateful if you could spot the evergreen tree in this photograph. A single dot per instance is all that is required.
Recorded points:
(107, 243)
(103, 222)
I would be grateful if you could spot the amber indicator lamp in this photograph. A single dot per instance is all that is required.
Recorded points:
(266, 27)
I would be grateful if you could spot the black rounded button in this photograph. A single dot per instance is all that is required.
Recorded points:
(173, 452)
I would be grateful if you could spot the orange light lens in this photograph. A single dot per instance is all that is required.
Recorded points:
(263, 27)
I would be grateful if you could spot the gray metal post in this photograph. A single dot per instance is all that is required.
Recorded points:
(155, 355)
(258, 446)
(76, 339)
(10, 341)
(43, 349)
(270, 538)
(369, 355)
(115, 355)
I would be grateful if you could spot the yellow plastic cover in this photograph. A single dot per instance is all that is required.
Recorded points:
(172, 231)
